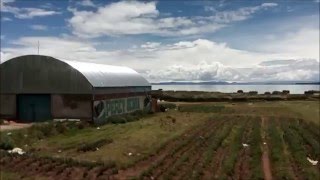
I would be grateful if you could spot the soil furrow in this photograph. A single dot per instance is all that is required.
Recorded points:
(193, 143)
(265, 152)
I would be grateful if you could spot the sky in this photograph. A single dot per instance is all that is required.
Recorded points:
(172, 40)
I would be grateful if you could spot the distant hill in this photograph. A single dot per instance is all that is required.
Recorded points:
(236, 83)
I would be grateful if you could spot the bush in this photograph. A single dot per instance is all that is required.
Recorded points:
(83, 124)
(6, 144)
(311, 92)
(253, 92)
(61, 127)
(117, 119)
(94, 145)
(137, 113)
(286, 92)
(169, 105)
(123, 118)
(276, 92)
(267, 93)
(240, 91)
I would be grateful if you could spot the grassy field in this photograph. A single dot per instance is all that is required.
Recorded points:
(194, 141)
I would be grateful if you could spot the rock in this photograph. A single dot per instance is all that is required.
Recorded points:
(17, 151)
(313, 162)
(245, 145)
(130, 154)
(98, 128)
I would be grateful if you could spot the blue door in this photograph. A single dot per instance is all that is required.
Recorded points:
(33, 108)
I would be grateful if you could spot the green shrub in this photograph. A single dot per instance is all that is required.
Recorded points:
(123, 118)
(253, 92)
(6, 144)
(47, 129)
(138, 113)
(92, 146)
(201, 108)
(61, 127)
(83, 124)
(169, 105)
(117, 119)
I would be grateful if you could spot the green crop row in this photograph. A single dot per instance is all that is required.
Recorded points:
(192, 172)
(197, 141)
(308, 138)
(298, 151)
(234, 141)
(255, 149)
(279, 160)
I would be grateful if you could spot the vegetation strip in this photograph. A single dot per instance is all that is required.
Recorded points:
(299, 152)
(175, 153)
(279, 159)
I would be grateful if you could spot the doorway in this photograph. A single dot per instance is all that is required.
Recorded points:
(34, 108)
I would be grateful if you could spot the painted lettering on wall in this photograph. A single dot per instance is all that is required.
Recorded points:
(105, 108)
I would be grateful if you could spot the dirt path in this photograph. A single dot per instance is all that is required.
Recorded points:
(13, 125)
(242, 167)
(265, 153)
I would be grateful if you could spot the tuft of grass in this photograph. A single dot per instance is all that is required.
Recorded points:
(168, 105)
(93, 146)
(123, 118)
(6, 144)
(202, 108)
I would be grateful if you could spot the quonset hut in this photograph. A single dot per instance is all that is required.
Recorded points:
(37, 88)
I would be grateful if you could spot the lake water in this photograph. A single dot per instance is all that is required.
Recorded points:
(294, 89)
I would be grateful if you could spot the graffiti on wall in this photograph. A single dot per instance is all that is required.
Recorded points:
(105, 108)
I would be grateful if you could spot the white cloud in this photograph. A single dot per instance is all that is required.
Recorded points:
(88, 3)
(6, 19)
(185, 60)
(135, 17)
(239, 14)
(25, 13)
(150, 45)
(300, 44)
(299, 69)
(269, 4)
(202, 71)
(3, 2)
(38, 27)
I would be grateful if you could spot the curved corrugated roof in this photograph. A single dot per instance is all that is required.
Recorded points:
(45, 74)
(101, 75)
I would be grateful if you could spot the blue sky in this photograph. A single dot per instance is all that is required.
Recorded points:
(172, 40)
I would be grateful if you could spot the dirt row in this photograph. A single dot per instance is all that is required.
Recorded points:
(38, 167)
(290, 142)
(224, 147)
